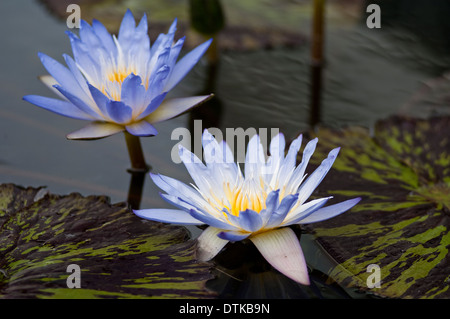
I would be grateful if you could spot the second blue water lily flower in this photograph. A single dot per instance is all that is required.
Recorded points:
(119, 83)
(259, 205)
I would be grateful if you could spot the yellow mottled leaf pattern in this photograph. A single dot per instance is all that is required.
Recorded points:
(402, 224)
(119, 254)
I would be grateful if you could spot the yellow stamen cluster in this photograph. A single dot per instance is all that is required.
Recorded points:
(247, 195)
(118, 76)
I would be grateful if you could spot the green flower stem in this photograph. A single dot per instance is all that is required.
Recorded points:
(138, 170)
(135, 152)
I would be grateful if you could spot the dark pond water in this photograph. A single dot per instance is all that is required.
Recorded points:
(369, 75)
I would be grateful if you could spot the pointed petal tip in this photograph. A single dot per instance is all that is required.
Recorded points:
(208, 42)
(153, 175)
(281, 248)
(95, 130)
(334, 152)
(302, 279)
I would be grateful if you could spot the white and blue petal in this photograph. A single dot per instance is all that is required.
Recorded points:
(95, 130)
(152, 106)
(133, 92)
(272, 202)
(64, 77)
(186, 63)
(281, 248)
(209, 244)
(119, 112)
(233, 235)
(178, 202)
(170, 216)
(307, 188)
(181, 191)
(76, 73)
(156, 63)
(88, 65)
(254, 158)
(104, 36)
(303, 211)
(287, 165)
(212, 220)
(219, 159)
(299, 172)
(174, 107)
(279, 214)
(175, 51)
(173, 186)
(88, 36)
(273, 163)
(142, 128)
(126, 29)
(196, 169)
(250, 221)
(50, 83)
(100, 99)
(329, 211)
(58, 106)
(86, 107)
(156, 84)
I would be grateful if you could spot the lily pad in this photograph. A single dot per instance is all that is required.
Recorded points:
(402, 224)
(119, 255)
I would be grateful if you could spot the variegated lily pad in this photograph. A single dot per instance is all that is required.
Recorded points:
(119, 255)
(402, 224)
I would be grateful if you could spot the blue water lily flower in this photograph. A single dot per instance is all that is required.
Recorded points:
(119, 83)
(260, 204)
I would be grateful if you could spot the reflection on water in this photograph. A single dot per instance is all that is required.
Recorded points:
(369, 74)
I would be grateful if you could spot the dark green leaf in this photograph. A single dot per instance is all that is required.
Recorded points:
(119, 254)
(402, 223)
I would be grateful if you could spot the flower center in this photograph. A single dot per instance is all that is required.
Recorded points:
(118, 76)
(247, 195)
(112, 86)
